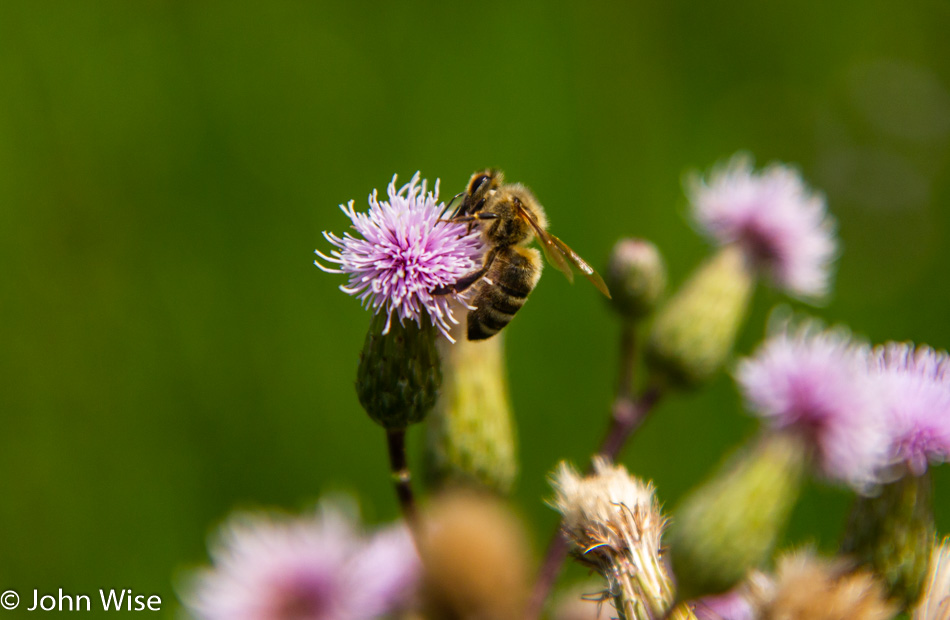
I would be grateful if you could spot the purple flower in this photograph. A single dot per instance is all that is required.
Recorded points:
(731, 605)
(781, 225)
(915, 387)
(404, 254)
(310, 568)
(816, 383)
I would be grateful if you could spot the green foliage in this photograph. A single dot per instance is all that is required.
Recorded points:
(893, 534)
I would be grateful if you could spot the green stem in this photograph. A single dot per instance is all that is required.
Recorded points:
(627, 415)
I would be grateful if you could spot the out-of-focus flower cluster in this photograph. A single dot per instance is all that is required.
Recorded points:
(865, 411)
(873, 418)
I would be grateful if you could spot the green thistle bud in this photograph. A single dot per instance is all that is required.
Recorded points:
(893, 533)
(471, 437)
(636, 277)
(695, 330)
(399, 374)
(730, 524)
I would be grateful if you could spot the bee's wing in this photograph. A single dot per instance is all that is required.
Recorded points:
(558, 254)
(581, 264)
(551, 251)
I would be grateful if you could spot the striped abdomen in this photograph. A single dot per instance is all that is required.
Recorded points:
(504, 289)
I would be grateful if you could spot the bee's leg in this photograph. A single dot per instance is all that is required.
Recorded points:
(478, 206)
(471, 219)
(460, 210)
(466, 281)
(476, 211)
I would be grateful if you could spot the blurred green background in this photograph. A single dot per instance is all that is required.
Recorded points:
(167, 349)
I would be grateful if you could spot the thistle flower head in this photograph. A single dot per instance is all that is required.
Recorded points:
(915, 388)
(815, 383)
(404, 254)
(782, 226)
(310, 568)
(614, 521)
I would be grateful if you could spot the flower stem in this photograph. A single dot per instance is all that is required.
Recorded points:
(627, 415)
(402, 479)
(628, 360)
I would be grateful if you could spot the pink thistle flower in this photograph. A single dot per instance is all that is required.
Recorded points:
(816, 383)
(915, 386)
(404, 254)
(311, 568)
(782, 226)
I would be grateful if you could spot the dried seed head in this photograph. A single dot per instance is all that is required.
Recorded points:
(806, 587)
(614, 522)
(935, 603)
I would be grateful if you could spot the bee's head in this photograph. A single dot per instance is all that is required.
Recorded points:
(484, 181)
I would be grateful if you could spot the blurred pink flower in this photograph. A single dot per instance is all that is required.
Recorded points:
(816, 383)
(731, 605)
(915, 386)
(404, 254)
(309, 568)
(782, 226)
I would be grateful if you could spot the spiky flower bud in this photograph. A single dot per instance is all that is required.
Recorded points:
(471, 436)
(935, 601)
(729, 525)
(806, 587)
(636, 277)
(615, 525)
(476, 558)
(399, 373)
(694, 331)
(893, 534)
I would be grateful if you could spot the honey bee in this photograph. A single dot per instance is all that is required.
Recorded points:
(510, 217)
